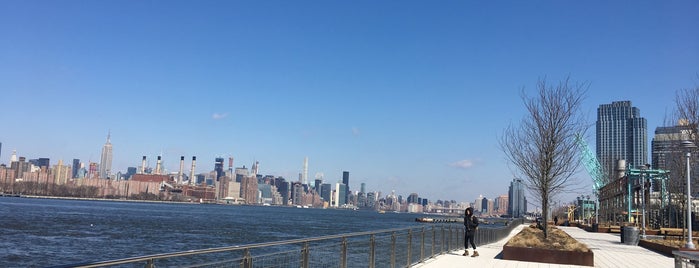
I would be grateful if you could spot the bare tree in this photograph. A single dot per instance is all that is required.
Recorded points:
(542, 148)
(687, 116)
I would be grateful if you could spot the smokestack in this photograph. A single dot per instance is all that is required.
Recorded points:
(157, 167)
(143, 165)
(192, 179)
(179, 174)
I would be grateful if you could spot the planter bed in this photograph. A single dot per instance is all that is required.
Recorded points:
(548, 256)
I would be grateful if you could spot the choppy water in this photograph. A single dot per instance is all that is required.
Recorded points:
(45, 232)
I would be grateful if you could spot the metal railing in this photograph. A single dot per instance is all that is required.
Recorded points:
(401, 247)
(686, 259)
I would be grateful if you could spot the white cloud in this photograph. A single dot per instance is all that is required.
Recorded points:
(355, 131)
(217, 116)
(465, 164)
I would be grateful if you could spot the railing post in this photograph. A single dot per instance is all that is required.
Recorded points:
(150, 264)
(422, 245)
(410, 246)
(372, 245)
(393, 249)
(441, 249)
(343, 254)
(304, 255)
(434, 233)
(246, 262)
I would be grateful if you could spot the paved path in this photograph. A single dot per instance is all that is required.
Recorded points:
(608, 250)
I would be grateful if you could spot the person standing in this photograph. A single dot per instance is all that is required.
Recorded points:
(471, 224)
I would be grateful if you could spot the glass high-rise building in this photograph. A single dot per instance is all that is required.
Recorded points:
(517, 206)
(218, 167)
(621, 134)
(76, 167)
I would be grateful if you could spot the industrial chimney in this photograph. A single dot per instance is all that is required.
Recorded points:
(143, 165)
(192, 179)
(157, 166)
(179, 174)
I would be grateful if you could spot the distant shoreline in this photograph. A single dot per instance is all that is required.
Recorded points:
(101, 199)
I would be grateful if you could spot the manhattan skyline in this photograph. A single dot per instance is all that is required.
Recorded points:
(407, 96)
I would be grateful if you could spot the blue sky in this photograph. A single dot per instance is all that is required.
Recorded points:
(407, 96)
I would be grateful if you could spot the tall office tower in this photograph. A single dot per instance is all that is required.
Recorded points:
(40, 162)
(13, 157)
(340, 193)
(76, 167)
(255, 169)
(106, 158)
(363, 188)
(305, 170)
(317, 184)
(478, 204)
(517, 206)
(502, 204)
(218, 167)
(249, 189)
(668, 153)
(345, 181)
(412, 198)
(283, 189)
(621, 134)
(326, 191)
(484, 205)
(240, 173)
(297, 193)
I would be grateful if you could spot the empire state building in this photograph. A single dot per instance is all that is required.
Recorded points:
(106, 159)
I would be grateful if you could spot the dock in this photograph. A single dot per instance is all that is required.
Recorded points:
(607, 248)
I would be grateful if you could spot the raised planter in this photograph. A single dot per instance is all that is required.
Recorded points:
(548, 256)
(660, 248)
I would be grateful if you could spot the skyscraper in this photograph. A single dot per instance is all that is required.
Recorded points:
(304, 176)
(106, 159)
(517, 206)
(76, 167)
(668, 153)
(621, 134)
(218, 167)
(345, 181)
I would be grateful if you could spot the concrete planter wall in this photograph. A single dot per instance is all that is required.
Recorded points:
(548, 256)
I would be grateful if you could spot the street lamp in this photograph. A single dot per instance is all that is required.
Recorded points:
(588, 213)
(690, 245)
(643, 200)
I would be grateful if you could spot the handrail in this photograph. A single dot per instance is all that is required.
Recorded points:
(484, 236)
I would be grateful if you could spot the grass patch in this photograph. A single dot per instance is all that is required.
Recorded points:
(533, 237)
(675, 243)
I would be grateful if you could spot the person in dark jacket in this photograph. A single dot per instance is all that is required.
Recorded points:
(471, 224)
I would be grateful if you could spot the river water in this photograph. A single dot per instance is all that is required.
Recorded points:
(46, 232)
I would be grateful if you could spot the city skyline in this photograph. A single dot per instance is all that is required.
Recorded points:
(405, 96)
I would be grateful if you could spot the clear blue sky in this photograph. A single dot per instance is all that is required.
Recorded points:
(407, 96)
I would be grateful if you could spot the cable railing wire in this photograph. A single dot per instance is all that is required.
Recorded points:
(401, 247)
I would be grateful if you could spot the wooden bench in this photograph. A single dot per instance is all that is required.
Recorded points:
(671, 232)
(615, 229)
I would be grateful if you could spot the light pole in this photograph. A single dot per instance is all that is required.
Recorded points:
(690, 245)
(643, 202)
(588, 213)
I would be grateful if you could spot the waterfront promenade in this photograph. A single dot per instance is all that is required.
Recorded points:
(608, 250)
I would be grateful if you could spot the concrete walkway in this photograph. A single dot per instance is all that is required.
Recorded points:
(608, 250)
